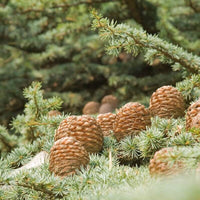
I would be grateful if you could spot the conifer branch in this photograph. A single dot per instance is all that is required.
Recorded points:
(195, 8)
(132, 40)
(172, 31)
(8, 141)
(68, 48)
(66, 5)
(190, 87)
(7, 145)
(38, 188)
(36, 105)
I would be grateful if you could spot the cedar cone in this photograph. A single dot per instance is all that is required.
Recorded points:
(193, 116)
(66, 156)
(167, 102)
(106, 122)
(159, 165)
(112, 100)
(83, 128)
(91, 108)
(105, 108)
(53, 113)
(130, 120)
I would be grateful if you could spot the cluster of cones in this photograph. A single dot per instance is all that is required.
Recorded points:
(79, 136)
(159, 164)
(108, 104)
(75, 138)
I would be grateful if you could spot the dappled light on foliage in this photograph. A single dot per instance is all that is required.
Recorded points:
(99, 99)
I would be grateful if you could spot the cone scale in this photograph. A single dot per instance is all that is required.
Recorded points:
(67, 155)
(84, 129)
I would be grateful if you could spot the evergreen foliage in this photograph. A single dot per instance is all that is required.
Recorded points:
(179, 23)
(183, 188)
(7, 141)
(35, 109)
(115, 168)
(52, 41)
(123, 37)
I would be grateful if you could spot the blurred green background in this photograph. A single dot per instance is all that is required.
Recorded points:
(52, 42)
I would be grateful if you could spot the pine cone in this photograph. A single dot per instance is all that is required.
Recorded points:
(159, 165)
(106, 122)
(112, 100)
(130, 120)
(83, 128)
(193, 116)
(167, 102)
(105, 108)
(53, 113)
(66, 156)
(91, 108)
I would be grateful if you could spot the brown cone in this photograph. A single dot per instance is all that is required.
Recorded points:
(112, 100)
(84, 129)
(159, 165)
(66, 156)
(106, 122)
(105, 108)
(91, 108)
(53, 113)
(193, 116)
(130, 120)
(167, 102)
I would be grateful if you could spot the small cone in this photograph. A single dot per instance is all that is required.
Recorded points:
(130, 120)
(84, 129)
(193, 116)
(91, 108)
(159, 165)
(112, 100)
(106, 122)
(66, 156)
(105, 108)
(167, 102)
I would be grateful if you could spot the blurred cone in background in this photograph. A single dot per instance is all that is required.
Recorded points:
(91, 108)
(159, 164)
